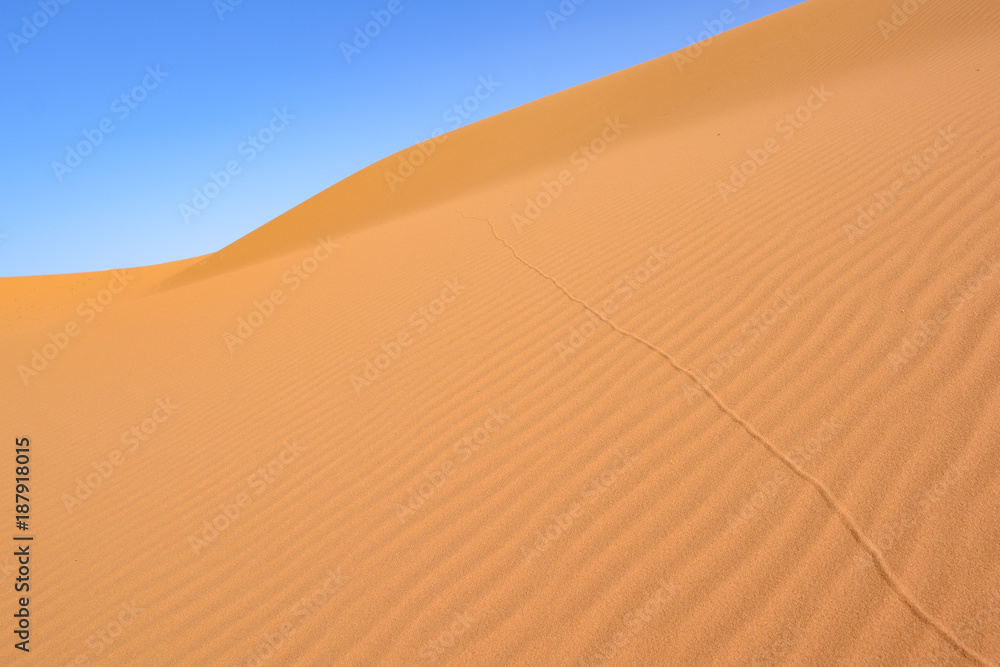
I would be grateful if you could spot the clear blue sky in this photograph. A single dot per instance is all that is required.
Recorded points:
(182, 85)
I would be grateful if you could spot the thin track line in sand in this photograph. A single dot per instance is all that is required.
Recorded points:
(883, 567)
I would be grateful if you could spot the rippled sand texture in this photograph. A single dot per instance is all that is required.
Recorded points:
(693, 364)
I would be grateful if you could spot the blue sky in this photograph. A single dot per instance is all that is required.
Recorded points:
(116, 113)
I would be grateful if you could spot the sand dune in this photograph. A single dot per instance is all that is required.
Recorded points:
(693, 364)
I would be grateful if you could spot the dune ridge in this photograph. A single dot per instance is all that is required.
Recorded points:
(364, 435)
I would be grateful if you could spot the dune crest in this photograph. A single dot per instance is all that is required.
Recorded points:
(692, 364)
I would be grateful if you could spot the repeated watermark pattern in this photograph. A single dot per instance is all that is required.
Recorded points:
(901, 14)
(435, 649)
(914, 170)
(258, 482)
(969, 629)
(922, 505)
(248, 150)
(122, 107)
(223, 7)
(304, 609)
(562, 13)
(421, 319)
(632, 624)
(623, 289)
(750, 333)
(59, 340)
(31, 25)
(99, 642)
(705, 38)
(264, 308)
(462, 451)
(582, 158)
(927, 330)
(363, 35)
(776, 653)
(455, 116)
(768, 490)
(786, 127)
(593, 491)
(131, 440)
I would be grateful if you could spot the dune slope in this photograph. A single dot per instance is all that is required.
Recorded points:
(693, 364)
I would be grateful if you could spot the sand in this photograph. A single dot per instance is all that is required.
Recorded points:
(693, 364)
